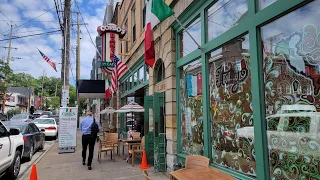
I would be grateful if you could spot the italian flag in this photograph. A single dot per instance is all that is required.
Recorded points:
(156, 12)
(108, 89)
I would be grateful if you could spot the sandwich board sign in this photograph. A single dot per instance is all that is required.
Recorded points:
(67, 129)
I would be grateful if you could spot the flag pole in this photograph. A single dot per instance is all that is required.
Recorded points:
(185, 29)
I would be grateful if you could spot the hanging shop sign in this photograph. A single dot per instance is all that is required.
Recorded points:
(110, 45)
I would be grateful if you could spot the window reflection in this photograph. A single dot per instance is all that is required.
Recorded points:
(187, 45)
(224, 15)
(141, 74)
(191, 109)
(231, 107)
(265, 3)
(291, 62)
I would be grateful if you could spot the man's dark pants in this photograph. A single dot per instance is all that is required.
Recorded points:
(87, 139)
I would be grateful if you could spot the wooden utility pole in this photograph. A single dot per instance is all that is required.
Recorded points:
(66, 47)
(6, 74)
(41, 98)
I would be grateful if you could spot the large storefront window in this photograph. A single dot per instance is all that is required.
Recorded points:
(291, 59)
(231, 108)
(224, 15)
(191, 109)
(265, 3)
(187, 45)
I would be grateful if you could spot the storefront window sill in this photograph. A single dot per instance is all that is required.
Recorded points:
(225, 170)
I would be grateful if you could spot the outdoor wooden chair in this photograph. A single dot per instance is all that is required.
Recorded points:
(114, 139)
(105, 146)
(135, 135)
(145, 173)
(136, 148)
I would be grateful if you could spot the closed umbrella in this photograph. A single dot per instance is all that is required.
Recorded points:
(108, 110)
(130, 108)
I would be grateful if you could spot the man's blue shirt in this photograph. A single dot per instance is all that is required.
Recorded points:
(85, 125)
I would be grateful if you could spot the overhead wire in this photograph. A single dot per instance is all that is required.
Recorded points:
(31, 19)
(28, 53)
(19, 37)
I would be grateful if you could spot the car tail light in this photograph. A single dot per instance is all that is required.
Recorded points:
(50, 128)
(25, 139)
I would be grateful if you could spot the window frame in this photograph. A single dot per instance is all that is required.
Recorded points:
(251, 25)
(133, 24)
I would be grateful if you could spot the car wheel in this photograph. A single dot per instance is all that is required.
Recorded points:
(42, 145)
(14, 169)
(31, 153)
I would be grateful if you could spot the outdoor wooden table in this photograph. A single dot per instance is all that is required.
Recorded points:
(202, 173)
(130, 142)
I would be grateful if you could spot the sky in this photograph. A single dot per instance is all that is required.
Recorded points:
(38, 16)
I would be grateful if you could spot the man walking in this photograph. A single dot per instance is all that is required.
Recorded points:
(87, 125)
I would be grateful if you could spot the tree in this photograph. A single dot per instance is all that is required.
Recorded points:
(4, 69)
(54, 102)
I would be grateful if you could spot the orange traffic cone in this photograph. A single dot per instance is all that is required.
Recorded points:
(33, 174)
(144, 163)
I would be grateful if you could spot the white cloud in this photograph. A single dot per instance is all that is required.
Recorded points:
(31, 61)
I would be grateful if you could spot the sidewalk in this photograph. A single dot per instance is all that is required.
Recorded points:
(54, 166)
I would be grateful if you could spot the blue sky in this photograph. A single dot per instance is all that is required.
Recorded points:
(22, 11)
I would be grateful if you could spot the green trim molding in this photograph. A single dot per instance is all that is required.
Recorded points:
(251, 26)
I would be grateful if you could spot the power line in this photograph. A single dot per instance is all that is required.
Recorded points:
(5, 16)
(17, 37)
(75, 2)
(32, 19)
(35, 31)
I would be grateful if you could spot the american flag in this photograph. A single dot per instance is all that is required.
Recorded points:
(118, 70)
(52, 64)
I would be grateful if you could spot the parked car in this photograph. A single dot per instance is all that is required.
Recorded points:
(37, 114)
(46, 113)
(22, 117)
(49, 125)
(33, 138)
(3, 117)
(11, 148)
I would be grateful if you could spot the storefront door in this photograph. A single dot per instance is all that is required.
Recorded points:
(149, 133)
(159, 133)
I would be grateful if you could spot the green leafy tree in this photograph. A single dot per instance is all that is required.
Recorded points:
(54, 102)
(12, 112)
(4, 69)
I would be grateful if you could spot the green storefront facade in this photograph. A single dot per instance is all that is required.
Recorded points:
(248, 97)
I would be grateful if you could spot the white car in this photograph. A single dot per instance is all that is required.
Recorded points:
(11, 149)
(49, 125)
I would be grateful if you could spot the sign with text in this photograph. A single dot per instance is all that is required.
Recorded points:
(106, 64)
(68, 128)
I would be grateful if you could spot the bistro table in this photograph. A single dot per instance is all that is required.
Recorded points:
(130, 142)
(200, 173)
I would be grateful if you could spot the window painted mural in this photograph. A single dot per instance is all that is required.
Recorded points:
(291, 59)
(191, 109)
(231, 107)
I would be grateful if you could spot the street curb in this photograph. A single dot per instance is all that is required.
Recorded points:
(26, 172)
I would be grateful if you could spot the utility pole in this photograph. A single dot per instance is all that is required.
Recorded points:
(8, 62)
(55, 93)
(41, 98)
(66, 47)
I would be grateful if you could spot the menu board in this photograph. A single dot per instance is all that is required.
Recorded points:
(68, 127)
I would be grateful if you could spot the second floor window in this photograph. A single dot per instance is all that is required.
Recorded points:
(144, 11)
(126, 37)
(133, 18)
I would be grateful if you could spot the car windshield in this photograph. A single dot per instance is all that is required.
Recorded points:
(19, 117)
(43, 121)
(20, 127)
(46, 113)
(37, 112)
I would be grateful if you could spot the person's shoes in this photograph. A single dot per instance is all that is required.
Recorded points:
(89, 167)
(83, 163)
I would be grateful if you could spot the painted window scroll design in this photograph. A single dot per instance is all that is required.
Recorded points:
(291, 59)
(191, 109)
(231, 107)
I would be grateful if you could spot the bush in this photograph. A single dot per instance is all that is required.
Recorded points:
(12, 112)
